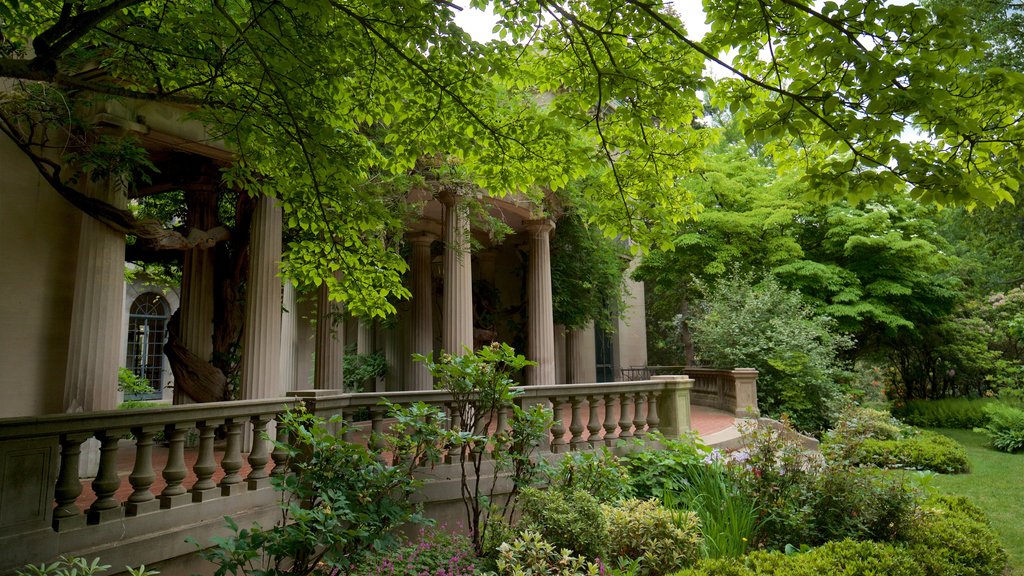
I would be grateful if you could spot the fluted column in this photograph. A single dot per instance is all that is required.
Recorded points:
(289, 338)
(457, 325)
(540, 320)
(422, 309)
(582, 355)
(261, 337)
(195, 320)
(330, 342)
(97, 314)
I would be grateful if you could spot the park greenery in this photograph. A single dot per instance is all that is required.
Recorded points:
(821, 191)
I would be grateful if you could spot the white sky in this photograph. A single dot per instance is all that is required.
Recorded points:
(479, 24)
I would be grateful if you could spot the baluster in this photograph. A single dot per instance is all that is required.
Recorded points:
(142, 501)
(625, 415)
(480, 429)
(280, 454)
(558, 443)
(455, 424)
(205, 488)
(231, 462)
(174, 471)
(502, 425)
(639, 418)
(106, 508)
(593, 423)
(610, 423)
(576, 425)
(653, 420)
(258, 456)
(66, 514)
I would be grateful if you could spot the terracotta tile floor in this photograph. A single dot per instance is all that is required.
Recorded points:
(703, 420)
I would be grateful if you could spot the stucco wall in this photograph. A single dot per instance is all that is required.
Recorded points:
(38, 250)
(631, 332)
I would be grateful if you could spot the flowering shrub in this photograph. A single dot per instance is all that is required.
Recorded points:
(435, 552)
(655, 472)
(778, 474)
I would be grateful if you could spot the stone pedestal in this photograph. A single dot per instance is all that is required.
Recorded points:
(745, 380)
(457, 325)
(261, 337)
(540, 320)
(422, 309)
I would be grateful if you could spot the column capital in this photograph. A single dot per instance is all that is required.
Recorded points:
(448, 197)
(420, 238)
(540, 226)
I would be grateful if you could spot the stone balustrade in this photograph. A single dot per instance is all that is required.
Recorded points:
(733, 391)
(136, 512)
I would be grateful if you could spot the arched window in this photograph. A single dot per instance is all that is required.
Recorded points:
(147, 331)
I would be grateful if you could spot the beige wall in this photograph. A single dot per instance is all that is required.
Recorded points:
(631, 331)
(38, 251)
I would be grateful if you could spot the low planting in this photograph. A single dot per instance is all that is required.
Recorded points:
(865, 437)
(961, 413)
(1005, 427)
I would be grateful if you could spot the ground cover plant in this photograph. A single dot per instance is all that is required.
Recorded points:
(1005, 427)
(943, 413)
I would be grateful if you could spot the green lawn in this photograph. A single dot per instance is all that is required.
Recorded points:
(996, 483)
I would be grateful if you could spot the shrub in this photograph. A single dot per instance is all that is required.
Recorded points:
(531, 555)
(566, 519)
(945, 413)
(435, 552)
(925, 450)
(864, 437)
(660, 540)
(839, 558)
(74, 566)
(339, 500)
(600, 474)
(654, 472)
(952, 538)
(1005, 428)
(863, 504)
(755, 322)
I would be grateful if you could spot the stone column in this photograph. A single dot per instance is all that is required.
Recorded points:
(422, 309)
(97, 319)
(457, 324)
(195, 318)
(540, 321)
(261, 337)
(330, 342)
(97, 314)
(392, 346)
(582, 355)
(289, 338)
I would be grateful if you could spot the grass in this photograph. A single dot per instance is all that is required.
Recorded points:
(996, 484)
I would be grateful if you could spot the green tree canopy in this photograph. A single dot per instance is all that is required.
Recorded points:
(325, 102)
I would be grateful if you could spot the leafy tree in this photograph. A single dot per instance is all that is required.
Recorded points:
(326, 101)
(587, 274)
(746, 222)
